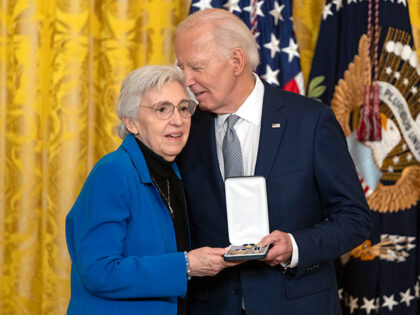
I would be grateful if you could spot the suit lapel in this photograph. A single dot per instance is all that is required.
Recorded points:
(208, 150)
(269, 143)
(271, 134)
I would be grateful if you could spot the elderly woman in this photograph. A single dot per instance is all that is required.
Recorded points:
(127, 232)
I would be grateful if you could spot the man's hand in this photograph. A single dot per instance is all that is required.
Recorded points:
(282, 248)
(207, 261)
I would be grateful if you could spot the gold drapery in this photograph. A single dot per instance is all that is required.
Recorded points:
(307, 19)
(414, 8)
(61, 65)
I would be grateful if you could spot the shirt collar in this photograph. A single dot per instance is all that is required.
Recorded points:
(251, 109)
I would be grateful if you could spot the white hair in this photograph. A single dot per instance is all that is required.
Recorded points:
(136, 84)
(228, 31)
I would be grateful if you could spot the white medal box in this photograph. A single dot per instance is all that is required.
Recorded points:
(247, 216)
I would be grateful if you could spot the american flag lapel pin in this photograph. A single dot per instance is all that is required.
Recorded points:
(275, 125)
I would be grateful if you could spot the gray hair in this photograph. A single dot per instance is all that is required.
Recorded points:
(228, 31)
(136, 84)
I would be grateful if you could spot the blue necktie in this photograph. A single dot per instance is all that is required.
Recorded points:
(232, 154)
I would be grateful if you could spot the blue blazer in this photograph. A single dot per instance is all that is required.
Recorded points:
(313, 192)
(122, 242)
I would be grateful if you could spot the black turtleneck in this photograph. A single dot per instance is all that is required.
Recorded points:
(161, 171)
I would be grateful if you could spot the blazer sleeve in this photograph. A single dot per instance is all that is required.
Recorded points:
(347, 216)
(96, 230)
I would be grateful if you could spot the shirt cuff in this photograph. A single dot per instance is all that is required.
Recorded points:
(295, 255)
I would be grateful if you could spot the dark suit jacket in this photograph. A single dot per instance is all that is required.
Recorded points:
(313, 192)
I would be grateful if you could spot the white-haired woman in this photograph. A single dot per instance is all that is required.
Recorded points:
(127, 232)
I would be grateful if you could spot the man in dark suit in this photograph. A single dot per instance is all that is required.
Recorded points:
(317, 209)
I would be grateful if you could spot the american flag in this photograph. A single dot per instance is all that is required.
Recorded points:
(272, 25)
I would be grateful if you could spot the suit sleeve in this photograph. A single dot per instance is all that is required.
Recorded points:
(347, 216)
(96, 230)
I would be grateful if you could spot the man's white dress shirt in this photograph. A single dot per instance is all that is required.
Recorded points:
(248, 130)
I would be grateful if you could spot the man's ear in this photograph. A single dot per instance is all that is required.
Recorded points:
(238, 61)
(130, 125)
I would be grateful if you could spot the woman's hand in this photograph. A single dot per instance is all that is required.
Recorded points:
(207, 261)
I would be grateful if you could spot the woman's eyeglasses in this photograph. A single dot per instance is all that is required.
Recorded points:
(164, 110)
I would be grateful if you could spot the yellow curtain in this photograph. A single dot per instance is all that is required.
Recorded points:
(307, 18)
(61, 66)
(414, 7)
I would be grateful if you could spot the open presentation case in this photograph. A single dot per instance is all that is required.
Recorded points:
(247, 216)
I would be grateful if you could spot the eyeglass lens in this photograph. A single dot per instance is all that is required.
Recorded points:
(165, 109)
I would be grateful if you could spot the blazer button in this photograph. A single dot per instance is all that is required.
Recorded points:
(235, 290)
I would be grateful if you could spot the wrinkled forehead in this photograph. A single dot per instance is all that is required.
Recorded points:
(172, 91)
(196, 46)
(199, 34)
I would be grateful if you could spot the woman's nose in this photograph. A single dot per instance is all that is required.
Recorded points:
(176, 117)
